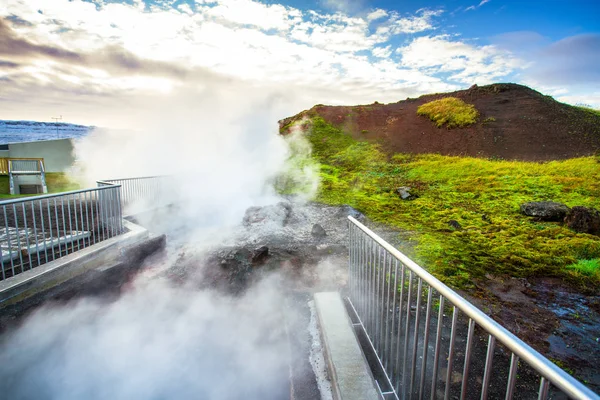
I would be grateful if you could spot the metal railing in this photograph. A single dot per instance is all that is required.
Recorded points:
(139, 194)
(5, 164)
(431, 342)
(40, 229)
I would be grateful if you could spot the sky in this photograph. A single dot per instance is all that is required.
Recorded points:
(106, 63)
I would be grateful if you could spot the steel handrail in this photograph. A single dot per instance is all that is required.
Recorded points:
(48, 196)
(537, 361)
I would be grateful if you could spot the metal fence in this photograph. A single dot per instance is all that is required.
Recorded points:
(40, 229)
(431, 342)
(140, 194)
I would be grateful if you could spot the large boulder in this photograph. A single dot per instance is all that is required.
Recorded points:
(545, 210)
(584, 220)
(276, 213)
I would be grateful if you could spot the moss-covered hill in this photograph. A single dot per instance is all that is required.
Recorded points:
(482, 195)
(506, 121)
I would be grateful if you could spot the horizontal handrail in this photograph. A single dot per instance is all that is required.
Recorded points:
(537, 361)
(52, 195)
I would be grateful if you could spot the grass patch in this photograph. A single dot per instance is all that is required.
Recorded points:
(482, 195)
(449, 111)
(586, 267)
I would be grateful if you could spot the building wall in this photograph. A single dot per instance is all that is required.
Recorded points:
(57, 154)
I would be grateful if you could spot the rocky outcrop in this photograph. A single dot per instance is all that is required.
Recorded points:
(584, 220)
(545, 210)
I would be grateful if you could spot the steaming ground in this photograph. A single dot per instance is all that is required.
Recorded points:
(156, 341)
(191, 327)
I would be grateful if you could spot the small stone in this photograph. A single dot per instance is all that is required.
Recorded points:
(405, 193)
(260, 255)
(318, 231)
(454, 224)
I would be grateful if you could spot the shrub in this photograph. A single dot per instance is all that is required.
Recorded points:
(449, 111)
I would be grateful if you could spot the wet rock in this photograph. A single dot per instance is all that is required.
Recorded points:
(454, 224)
(405, 193)
(545, 210)
(260, 255)
(278, 213)
(584, 220)
(346, 210)
(318, 231)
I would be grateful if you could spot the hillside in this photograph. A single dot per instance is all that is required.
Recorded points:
(514, 123)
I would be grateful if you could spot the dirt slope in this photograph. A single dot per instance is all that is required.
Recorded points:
(526, 125)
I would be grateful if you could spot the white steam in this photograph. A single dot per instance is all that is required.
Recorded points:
(155, 342)
(221, 145)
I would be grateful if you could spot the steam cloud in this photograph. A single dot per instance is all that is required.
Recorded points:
(155, 342)
(158, 341)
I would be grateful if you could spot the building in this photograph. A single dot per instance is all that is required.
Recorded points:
(26, 163)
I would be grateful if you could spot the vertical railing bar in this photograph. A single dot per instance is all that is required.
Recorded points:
(35, 233)
(413, 368)
(512, 376)
(425, 342)
(26, 235)
(75, 197)
(407, 331)
(468, 349)
(488, 367)
(44, 232)
(377, 314)
(388, 274)
(387, 367)
(70, 223)
(8, 237)
(398, 336)
(57, 230)
(451, 353)
(87, 219)
(371, 250)
(62, 209)
(18, 237)
(543, 392)
(438, 343)
(382, 259)
(94, 205)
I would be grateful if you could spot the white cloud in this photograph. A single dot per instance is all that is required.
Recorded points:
(475, 7)
(128, 51)
(377, 14)
(414, 24)
(382, 52)
(467, 63)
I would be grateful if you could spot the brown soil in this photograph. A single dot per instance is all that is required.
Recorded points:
(527, 125)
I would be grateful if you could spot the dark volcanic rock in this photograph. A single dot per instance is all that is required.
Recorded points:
(260, 255)
(346, 211)
(545, 210)
(455, 224)
(318, 231)
(584, 220)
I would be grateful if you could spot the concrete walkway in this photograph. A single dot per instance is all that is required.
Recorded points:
(350, 375)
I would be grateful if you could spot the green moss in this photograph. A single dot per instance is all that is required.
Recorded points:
(449, 111)
(482, 195)
(586, 267)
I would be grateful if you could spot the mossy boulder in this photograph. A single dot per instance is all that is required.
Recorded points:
(545, 210)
